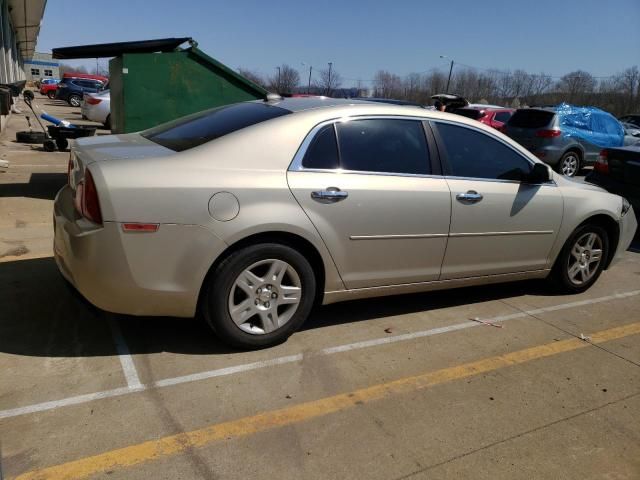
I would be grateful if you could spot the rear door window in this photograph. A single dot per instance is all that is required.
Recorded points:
(531, 118)
(193, 130)
(502, 117)
(474, 154)
(384, 145)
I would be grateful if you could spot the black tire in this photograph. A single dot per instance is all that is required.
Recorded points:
(62, 144)
(560, 277)
(218, 287)
(49, 146)
(74, 99)
(51, 94)
(565, 165)
(107, 122)
(30, 137)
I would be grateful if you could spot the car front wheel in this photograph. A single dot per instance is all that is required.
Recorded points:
(582, 259)
(259, 295)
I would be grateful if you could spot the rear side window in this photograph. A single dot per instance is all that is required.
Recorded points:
(193, 130)
(323, 150)
(384, 145)
(531, 118)
(474, 154)
(502, 117)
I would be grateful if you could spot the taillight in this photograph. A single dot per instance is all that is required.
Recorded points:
(548, 133)
(86, 199)
(92, 100)
(602, 162)
(90, 202)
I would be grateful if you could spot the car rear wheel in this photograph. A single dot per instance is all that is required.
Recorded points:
(51, 94)
(569, 164)
(74, 100)
(259, 295)
(107, 122)
(582, 259)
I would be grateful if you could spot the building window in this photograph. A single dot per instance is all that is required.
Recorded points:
(48, 73)
(35, 71)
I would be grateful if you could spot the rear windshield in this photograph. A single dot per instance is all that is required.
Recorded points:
(193, 130)
(531, 118)
(470, 113)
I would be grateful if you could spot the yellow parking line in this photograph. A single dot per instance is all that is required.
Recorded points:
(171, 445)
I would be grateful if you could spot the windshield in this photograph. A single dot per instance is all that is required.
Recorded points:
(193, 130)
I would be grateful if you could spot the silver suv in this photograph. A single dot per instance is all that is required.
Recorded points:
(565, 137)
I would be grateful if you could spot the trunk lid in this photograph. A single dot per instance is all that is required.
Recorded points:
(526, 122)
(624, 164)
(131, 146)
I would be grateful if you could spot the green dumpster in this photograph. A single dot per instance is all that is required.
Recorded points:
(155, 81)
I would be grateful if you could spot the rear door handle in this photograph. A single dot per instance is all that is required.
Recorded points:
(469, 197)
(330, 195)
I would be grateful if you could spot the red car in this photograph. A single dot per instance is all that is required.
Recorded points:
(50, 89)
(493, 116)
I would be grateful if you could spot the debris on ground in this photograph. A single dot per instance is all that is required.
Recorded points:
(388, 330)
(584, 337)
(491, 324)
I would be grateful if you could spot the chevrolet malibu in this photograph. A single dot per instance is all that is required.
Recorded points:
(250, 214)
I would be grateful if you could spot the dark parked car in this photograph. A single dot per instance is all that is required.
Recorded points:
(565, 137)
(71, 89)
(634, 118)
(617, 170)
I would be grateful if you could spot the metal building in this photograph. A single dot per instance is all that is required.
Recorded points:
(19, 28)
(41, 66)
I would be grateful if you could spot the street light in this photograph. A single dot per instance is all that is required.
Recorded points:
(450, 70)
(278, 84)
(329, 81)
(309, 84)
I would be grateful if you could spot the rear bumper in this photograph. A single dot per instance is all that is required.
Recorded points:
(157, 274)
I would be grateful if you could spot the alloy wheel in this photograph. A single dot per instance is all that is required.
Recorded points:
(570, 165)
(585, 258)
(74, 101)
(265, 296)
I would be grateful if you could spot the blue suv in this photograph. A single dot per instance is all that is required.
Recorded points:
(564, 136)
(71, 90)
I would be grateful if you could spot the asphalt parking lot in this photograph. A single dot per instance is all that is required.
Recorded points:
(398, 387)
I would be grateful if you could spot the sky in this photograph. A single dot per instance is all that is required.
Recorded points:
(361, 37)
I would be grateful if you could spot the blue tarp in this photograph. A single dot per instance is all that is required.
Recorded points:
(591, 124)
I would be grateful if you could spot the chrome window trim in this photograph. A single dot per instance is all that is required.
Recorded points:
(296, 163)
(398, 237)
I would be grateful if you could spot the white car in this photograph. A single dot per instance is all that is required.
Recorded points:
(97, 107)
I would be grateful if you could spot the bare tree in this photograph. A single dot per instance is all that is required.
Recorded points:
(387, 85)
(328, 81)
(577, 85)
(253, 76)
(286, 80)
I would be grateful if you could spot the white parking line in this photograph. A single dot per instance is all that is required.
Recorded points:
(133, 387)
(128, 367)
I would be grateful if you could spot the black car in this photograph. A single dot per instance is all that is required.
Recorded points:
(617, 170)
(71, 90)
(634, 119)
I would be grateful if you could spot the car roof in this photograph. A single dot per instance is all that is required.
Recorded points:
(299, 104)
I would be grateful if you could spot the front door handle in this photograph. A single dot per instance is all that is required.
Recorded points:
(469, 197)
(330, 195)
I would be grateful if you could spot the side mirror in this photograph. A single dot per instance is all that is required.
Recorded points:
(539, 174)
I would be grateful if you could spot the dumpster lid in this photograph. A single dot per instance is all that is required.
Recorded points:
(114, 49)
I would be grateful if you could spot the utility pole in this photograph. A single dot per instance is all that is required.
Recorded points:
(309, 84)
(278, 84)
(449, 79)
(329, 82)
